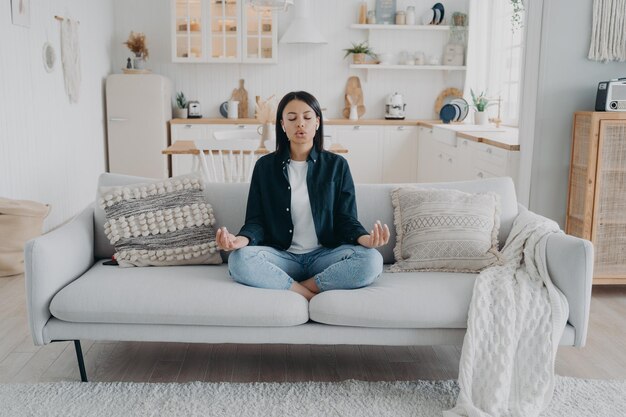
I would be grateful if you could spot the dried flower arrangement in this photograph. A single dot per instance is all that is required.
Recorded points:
(137, 44)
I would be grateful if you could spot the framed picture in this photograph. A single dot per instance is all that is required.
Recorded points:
(386, 12)
(20, 12)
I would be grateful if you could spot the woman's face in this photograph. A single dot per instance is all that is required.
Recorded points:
(299, 122)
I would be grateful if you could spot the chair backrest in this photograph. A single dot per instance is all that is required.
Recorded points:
(229, 155)
(226, 165)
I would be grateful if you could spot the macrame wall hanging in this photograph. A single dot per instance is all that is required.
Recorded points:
(608, 34)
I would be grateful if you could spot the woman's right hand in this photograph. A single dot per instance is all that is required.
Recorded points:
(227, 241)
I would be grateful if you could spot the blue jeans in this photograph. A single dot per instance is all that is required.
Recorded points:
(344, 267)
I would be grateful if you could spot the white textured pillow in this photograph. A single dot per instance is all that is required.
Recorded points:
(166, 222)
(445, 230)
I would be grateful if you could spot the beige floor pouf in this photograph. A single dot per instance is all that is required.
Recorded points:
(20, 221)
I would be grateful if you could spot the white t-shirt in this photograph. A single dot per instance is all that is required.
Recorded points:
(304, 236)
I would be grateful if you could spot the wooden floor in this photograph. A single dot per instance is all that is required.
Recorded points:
(21, 361)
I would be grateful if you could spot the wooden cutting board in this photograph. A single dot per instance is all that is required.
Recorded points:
(241, 95)
(353, 90)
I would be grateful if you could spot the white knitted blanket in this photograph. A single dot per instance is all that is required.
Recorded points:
(516, 319)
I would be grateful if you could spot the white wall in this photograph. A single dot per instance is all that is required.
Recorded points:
(52, 151)
(319, 69)
(567, 83)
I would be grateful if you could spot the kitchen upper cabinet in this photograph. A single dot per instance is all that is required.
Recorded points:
(400, 154)
(223, 31)
(364, 145)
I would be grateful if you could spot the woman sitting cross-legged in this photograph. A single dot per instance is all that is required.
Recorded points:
(301, 231)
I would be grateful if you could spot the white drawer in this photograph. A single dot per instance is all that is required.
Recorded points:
(478, 173)
(445, 136)
(188, 132)
(490, 154)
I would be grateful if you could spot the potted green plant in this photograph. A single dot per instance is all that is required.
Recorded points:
(180, 112)
(359, 51)
(480, 103)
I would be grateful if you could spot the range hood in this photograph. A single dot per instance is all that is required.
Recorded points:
(301, 29)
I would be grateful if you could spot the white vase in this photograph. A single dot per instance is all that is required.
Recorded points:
(139, 62)
(481, 118)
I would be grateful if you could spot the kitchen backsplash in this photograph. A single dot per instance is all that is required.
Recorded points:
(319, 69)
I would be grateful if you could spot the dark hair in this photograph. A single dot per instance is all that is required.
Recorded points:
(281, 137)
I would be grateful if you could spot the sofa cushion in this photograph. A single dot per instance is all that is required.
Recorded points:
(374, 203)
(191, 294)
(406, 300)
(445, 230)
(158, 223)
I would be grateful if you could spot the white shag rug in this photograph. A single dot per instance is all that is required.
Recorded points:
(572, 398)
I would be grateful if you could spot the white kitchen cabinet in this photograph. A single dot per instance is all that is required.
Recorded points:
(444, 156)
(364, 145)
(223, 31)
(427, 164)
(181, 164)
(399, 154)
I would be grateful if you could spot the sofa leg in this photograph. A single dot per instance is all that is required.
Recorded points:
(81, 362)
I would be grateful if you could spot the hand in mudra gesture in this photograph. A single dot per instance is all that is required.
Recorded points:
(379, 236)
(227, 241)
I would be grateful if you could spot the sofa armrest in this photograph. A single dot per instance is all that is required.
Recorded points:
(51, 262)
(569, 261)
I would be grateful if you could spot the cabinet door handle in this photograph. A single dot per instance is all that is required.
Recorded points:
(187, 126)
(117, 119)
(400, 127)
(357, 127)
(480, 175)
(241, 126)
(465, 142)
(489, 150)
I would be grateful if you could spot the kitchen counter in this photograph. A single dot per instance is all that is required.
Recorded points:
(504, 137)
(331, 122)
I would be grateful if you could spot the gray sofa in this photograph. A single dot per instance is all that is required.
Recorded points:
(73, 296)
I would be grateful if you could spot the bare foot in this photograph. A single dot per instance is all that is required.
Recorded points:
(311, 285)
(302, 290)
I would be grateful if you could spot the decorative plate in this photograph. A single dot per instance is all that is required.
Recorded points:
(446, 96)
(448, 113)
(463, 106)
(439, 7)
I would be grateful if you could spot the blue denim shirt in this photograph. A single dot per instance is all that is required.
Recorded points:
(331, 194)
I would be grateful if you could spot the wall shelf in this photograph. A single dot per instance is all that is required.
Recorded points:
(408, 67)
(401, 27)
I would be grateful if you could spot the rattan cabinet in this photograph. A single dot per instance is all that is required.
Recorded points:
(596, 208)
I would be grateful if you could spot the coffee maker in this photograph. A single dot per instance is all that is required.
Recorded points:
(394, 109)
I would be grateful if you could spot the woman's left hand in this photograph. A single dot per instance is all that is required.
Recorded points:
(379, 236)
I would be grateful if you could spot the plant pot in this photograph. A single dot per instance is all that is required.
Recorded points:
(358, 58)
(180, 113)
(481, 118)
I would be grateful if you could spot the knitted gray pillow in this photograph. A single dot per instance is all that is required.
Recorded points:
(445, 230)
(166, 222)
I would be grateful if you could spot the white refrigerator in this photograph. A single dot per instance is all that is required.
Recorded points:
(139, 108)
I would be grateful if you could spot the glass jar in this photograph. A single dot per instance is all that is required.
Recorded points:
(410, 15)
(371, 17)
(400, 18)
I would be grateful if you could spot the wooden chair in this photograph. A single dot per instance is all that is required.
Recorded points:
(229, 156)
